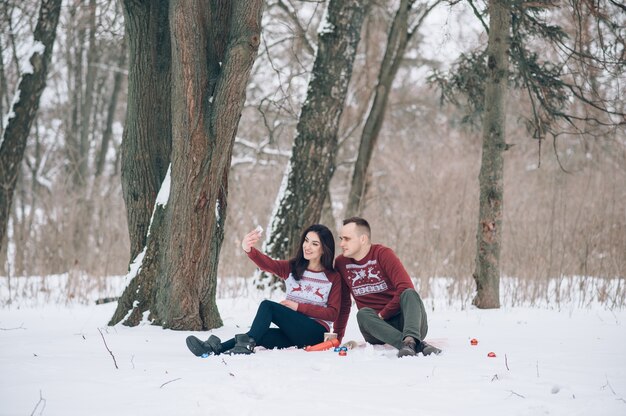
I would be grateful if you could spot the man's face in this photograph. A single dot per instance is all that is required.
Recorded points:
(350, 241)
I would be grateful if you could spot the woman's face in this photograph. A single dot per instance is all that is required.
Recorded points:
(312, 247)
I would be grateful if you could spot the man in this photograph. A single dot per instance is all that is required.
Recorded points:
(390, 310)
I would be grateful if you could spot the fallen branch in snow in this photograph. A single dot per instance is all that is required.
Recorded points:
(226, 364)
(517, 394)
(107, 347)
(12, 329)
(167, 382)
(506, 363)
(107, 300)
(611, 388)
(41, 400)
(608, 385)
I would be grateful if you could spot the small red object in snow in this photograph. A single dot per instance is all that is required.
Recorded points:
(343, 353)
(491, 354)
(474, 341)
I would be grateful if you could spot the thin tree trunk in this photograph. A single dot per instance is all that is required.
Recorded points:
(491, 178)
(313, 157)
(112, 107)
(87, 104)
(4, 88)
(399, 36)
(25, 108)
(75, 50)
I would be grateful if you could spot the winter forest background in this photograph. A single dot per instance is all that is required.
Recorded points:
(564, 211)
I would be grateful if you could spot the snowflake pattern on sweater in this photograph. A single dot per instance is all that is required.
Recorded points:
(317, 293)
(313, 288)
(365, 278)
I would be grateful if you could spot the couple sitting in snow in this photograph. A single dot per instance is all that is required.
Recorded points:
(318, 295)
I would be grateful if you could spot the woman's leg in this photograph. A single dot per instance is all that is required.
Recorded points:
(260, 330)
(275, 338)
(297, 329)
(227, 345)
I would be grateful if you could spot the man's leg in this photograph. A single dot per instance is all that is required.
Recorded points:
(415, 326)
(376, 330)
(414, 314)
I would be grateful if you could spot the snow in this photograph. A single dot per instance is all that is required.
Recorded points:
(550, 361)
(217, 211)
(283, 194)
(135, 265)
(161, 201)
(164, 192)
(325, 26)
(36, 48)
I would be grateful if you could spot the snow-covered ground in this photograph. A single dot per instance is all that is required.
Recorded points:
(549, 361)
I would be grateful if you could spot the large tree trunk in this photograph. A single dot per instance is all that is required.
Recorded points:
(313, 157)
(25, 107)
(399, 36)
(146, 143)
(491, 178)
(213, 49)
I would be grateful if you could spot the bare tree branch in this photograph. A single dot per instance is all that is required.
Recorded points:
(107, 347)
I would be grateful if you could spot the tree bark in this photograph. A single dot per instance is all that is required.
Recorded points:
(146, 142)
(25, 107)
(313, 157)
(491, 177)
(213, 49)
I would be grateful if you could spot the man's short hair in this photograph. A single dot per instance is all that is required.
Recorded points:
(362, 225)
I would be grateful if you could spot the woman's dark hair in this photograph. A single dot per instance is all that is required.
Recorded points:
(299, 264)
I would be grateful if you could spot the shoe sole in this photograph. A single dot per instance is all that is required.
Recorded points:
(406, 353)
(238, 351)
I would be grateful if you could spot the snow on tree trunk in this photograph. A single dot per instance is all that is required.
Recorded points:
(25, 106)
(300, 201)
(491, 178)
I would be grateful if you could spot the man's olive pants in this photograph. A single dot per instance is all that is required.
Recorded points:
(410, 322)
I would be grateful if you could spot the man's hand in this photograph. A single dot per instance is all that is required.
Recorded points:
(290, 304)
(380, 316)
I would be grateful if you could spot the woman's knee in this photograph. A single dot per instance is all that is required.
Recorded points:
(266, 305)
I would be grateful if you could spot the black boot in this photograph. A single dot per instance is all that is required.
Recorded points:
(243, 345)
(199, 348)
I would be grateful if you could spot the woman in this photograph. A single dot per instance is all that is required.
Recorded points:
(312, 302)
